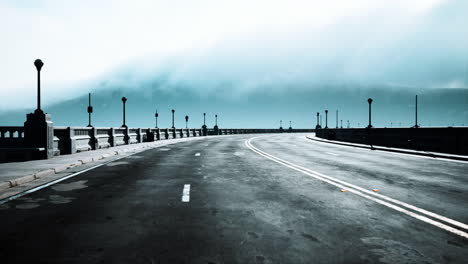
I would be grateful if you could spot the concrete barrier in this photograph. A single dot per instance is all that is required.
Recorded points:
(452, 140)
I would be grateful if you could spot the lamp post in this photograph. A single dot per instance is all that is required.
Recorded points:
(416, 113)
(341, 123)
(326, 118)
(320, 120)
(281, 124)
(370, 112)
(290, 125)
(186, 121)
(336, 118)
(156, 115)
(38, 63)
(318, 124)
(90, 110)
(216, 120)
(124, 100)
(204, 120)
(173, 111)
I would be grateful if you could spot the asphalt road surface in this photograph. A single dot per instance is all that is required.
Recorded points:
(247, 199)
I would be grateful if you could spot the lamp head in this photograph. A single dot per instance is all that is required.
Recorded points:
(124, 99)
(369, 100)
(38, 63)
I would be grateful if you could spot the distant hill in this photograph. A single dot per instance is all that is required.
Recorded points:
(262, 108)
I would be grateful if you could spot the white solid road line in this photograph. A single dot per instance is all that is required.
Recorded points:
(333, 154)
(186, 193)
(390, 202)
(197, 154)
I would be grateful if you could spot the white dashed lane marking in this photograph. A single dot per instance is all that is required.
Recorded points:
(186, 193)
(197, 154)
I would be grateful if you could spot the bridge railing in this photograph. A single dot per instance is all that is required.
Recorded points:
(69, 140)
(12, 136)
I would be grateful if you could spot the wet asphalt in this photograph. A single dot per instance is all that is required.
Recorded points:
(243, 208)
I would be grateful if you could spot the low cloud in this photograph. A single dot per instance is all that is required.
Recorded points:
(232, 48)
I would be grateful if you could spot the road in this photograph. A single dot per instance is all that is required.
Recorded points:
(247, 199)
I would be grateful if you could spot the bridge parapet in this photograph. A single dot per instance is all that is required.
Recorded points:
(12, 136)
(69, 140)
(452, 140)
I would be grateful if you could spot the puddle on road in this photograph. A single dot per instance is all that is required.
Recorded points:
(117, 163)
(58, 199)
(66, 187)
(27, 206)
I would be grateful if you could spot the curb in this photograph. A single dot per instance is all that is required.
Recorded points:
(410, 152)
(63, 167)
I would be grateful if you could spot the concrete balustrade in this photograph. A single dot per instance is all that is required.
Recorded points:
(69, 140)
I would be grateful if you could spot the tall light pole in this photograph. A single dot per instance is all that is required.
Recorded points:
(341, 123)
(326, 118)
(156, 115)
(216, 120)
(186, 121)
(90, 110)
(370, 112)
(416, 113)
(38, 63)
(124, 100)
(318, 125)
(336, 118)
(204, 120)
(173, 111)
(290, 125)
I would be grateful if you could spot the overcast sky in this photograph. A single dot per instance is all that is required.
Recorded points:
(242, 45)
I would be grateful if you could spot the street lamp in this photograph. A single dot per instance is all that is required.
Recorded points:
(156, 115)
(326, 118)
(173, 111)
(124, 100)
(318, 125)
(370, 111)
(416, 113)
(290, 126)
(216, 120)
(281, 124)
(38, 63)
(204, 120)
(341, 123)
(90, 110)
(336, 118)
(186, 121)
